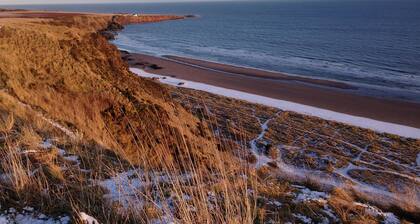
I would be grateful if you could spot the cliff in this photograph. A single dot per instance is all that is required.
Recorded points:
(61, 66)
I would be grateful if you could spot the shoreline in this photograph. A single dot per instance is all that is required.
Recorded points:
(362, 122)
(257, 73)
(322, 95)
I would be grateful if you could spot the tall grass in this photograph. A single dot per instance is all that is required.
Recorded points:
(192, 184)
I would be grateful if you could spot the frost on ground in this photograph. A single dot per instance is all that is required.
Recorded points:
(388, 218)
(29, 216)
(327, 152)
(326, 213)
(130, 192)
(308, 195)
(301, 148)
(87, 219)
(418, 160)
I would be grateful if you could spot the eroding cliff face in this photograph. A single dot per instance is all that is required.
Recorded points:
(65, 69)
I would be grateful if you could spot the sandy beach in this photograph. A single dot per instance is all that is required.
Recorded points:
(317, 93)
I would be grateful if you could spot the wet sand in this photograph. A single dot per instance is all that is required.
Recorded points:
(258, 73)
(318, 93)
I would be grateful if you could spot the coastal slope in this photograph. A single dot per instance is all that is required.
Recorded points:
(83, 139)
(68, 71)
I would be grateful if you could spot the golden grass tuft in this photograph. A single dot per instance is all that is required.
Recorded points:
(7, 123)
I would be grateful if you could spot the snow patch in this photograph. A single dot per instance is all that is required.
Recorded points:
(389, 218)
(126, 188)
(87, 219)
(46, 144)
(261, 158)
(29, 216)
(376, 125)
(303, 218)
(123, 188)
(306, 194)
(418, 159)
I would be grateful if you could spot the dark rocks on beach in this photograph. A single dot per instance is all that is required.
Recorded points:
(11, 10)
(124, 52)
(154, 67)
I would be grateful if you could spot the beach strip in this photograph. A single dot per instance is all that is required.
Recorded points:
(298, 91)
(368, 123)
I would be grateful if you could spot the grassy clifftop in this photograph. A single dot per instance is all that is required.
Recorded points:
(65, 69)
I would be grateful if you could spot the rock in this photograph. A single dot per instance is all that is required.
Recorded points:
(111, 31)
(113, 26)
(155, 67)
(109, 35)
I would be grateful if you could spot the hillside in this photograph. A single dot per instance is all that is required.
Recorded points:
(82, 136)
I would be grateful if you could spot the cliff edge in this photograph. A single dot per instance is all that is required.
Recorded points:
(60, 65)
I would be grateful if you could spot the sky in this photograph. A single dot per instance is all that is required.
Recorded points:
(18, 2)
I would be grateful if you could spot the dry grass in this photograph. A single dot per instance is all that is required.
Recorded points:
(43, 179)
(62, 82)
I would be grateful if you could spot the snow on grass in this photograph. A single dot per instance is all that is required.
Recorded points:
(128, 190)
(261, 158)
(124, 189)
(418, 159)
(47, 144)
(303, 218)
(306, 194)
(87, 219)
(29, 216)
(388, 217)
(376, 125)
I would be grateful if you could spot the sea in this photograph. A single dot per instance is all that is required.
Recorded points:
(371, 44)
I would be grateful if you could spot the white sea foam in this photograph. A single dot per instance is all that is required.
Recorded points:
(376, 125)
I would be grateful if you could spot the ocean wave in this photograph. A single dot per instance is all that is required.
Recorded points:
(125, 42)
(348, 70)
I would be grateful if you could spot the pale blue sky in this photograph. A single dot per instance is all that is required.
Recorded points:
(17, 2)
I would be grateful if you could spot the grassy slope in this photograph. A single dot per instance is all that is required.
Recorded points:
(76, 77)
(62, 83)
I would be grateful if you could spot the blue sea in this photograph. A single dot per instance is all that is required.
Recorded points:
(372, 44)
